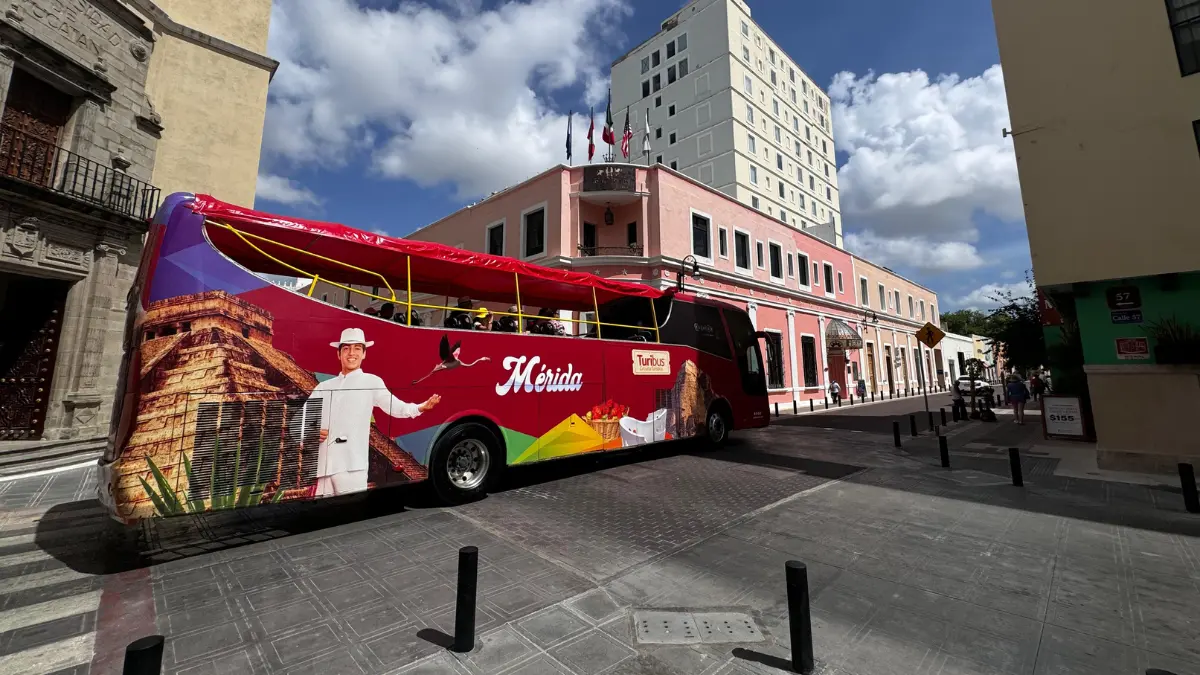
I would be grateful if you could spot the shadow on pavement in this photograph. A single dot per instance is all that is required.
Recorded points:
(81, 535)
(868, 423)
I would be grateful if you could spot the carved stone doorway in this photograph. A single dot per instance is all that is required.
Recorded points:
(31, 314)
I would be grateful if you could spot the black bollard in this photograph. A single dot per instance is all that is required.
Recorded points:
(944, 450)
(799, 619)
(930, 413)
(777, 408)
(839, 401)
(896, 432)
(810, 405)
(872, 397)
(464, 608)
(1187, 480)
(1014, 465)
(795, 407)
(943, 411)
(912, 425)
(827, 402)
(144, 656)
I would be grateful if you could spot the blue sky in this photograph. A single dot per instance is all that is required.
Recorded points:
(390, 118)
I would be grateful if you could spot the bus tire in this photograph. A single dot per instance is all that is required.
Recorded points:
(464, 463)
(717, 425)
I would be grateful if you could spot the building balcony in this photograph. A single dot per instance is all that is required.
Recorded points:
(41, 164)
(631, 250)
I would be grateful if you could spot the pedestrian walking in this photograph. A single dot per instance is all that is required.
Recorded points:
(1018, 394)
(835, 392)
(1039, 388)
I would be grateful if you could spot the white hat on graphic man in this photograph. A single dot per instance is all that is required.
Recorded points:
(348, 401)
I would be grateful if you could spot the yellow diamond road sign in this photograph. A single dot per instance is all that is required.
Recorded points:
(930, 335)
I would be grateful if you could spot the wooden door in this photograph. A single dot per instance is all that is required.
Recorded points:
(31, 128)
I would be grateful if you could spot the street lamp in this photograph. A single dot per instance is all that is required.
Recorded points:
(683, 271)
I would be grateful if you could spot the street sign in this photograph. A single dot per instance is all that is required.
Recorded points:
(1127, 316)
(1124, 297)
(929, 335)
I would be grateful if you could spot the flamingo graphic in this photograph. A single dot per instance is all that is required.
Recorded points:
(450, 358)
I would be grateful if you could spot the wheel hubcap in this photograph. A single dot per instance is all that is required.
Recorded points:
(716, 427)
(467, 464)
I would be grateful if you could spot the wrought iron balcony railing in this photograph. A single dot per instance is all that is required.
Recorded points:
(632, 249)
(34, 160)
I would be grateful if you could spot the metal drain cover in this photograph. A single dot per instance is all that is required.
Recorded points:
(679, 628)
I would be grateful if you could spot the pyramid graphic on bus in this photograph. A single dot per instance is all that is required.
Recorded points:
(572, 436)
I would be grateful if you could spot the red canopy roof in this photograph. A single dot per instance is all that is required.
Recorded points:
(436, 268)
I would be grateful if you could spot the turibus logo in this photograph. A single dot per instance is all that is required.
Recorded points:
(547, 379)
(651, 363)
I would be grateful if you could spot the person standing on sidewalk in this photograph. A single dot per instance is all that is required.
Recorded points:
(1039, 388)
(1018, 394)
(835, 392)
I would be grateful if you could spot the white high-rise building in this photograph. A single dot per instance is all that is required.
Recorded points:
(730, 109)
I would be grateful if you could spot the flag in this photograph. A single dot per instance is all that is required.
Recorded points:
(607, 135)
(591, 131)
(646, 138)
(626, 136)
(570, 115)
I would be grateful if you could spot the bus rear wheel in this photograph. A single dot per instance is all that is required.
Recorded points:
(463, 463)
(717, 426)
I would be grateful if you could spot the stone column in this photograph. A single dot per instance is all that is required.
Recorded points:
(795, 368)
(97, 322)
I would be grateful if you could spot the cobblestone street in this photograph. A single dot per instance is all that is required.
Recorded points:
(913, 569)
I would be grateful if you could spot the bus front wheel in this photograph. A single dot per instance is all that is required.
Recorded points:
(717, 426)
(463, 463)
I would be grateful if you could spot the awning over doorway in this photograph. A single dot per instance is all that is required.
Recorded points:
(840, 336)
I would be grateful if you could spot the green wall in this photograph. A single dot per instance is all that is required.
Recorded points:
(1099, 333)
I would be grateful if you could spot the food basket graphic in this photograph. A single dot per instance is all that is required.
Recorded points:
(605, 419)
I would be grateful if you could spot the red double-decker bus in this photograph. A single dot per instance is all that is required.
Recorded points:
(236, 391)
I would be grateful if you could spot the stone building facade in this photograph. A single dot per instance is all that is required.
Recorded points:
(77, 149)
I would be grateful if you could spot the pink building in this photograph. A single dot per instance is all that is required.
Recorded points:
(640, 223)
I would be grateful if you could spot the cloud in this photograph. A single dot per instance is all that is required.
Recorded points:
(442, 94)
(915, 252)
(984, 297)
(283, 191)
(925, 156)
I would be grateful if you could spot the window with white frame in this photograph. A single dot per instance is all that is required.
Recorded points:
(775, 106)
(745, 29)
(750, 114)
(533, 235)
(495, 239)
(745, 53)
(816, 277)
(828, 278)
(747, 85)
(802, 268)
(754, 201)
(758, 255)
(681, 41)
(862, 289)
(922, 307)
(741, 250)
(775, 257)
(790, 268)
(723, 242)
(701, 236)
(898, 309)
(751, 143)
(883, 301)
(912, 312)
(841, 289)
(754, 174)
(778, 136)
(779, 165)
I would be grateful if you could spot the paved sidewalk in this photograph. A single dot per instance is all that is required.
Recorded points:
(913, 569)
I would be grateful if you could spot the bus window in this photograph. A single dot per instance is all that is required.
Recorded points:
(745, 349)
(697, 326)
(635, 313)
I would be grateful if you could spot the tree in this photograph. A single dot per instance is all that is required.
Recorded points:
(1017, 329)
(966, 322)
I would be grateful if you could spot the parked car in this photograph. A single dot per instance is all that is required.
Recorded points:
(981, 388)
